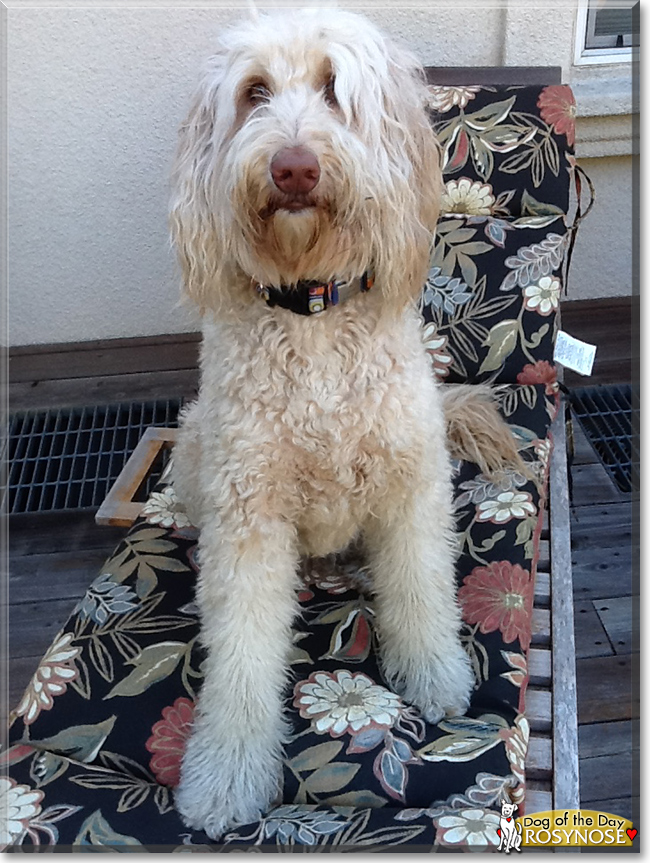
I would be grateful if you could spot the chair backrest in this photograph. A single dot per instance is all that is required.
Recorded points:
(491, 298)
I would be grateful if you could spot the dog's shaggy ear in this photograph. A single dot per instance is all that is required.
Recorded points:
(413, 134)
(192, 217)
(395, 112)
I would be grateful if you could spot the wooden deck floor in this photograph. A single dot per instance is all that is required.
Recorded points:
(605, 600)
(53, 557)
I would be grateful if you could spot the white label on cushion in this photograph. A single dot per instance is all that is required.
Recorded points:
(574, 354)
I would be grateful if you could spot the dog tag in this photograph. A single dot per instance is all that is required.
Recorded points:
(574, 354)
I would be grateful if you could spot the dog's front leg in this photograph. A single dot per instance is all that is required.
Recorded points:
(232, 768)
(410, 544)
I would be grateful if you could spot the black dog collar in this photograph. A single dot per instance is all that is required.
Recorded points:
(309, 297)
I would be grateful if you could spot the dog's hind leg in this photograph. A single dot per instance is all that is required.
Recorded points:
(232, 768)
(410, 545)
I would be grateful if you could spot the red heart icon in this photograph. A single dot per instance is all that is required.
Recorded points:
(498, 831)
(631, 832)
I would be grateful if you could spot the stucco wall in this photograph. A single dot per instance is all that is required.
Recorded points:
(602, 263)
(94, 99)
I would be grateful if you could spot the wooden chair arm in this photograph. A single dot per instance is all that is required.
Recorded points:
(118, 508)
(566, 778)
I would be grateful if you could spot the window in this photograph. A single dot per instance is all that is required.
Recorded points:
(607, 31)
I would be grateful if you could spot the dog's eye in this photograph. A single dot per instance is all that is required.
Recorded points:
(257, 93)
(330, 95)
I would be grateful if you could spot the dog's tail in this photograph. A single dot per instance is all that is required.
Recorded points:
(476, 431)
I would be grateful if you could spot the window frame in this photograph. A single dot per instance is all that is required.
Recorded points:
(584, 56)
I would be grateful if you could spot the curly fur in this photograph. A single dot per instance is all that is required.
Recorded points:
(309, 432)
(476, 432)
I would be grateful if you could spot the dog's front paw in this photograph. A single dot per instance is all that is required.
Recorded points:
(221, 789)
(438, 687)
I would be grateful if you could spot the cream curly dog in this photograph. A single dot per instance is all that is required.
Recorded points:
(306, 171)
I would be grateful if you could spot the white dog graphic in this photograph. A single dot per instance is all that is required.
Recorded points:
(509, 830)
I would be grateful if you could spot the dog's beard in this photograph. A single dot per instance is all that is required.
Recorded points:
(291, 235)
(286, 239)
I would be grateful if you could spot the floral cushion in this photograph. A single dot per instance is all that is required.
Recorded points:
(490, 301)
(507, 151)
(501, 252)
(99, 734)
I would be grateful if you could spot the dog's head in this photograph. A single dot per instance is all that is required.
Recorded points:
(508, 808)
(307, 154)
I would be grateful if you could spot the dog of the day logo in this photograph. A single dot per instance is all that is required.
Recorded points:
(584, 828)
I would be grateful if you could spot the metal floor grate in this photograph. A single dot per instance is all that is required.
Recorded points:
(606, 414)
(69, 458)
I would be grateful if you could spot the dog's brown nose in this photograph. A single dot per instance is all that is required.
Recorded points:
(295, 170)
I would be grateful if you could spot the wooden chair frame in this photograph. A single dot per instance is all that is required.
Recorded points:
(552, 772)
(552, 763)
(119, 508)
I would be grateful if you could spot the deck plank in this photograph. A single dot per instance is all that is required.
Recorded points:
(49, 532)
(600, 526)
(33, 626)
(54, 575)
(21, 671)
(609, 738)
(163, 340)
(113, 357)
(602, 573)
(624, 807)
(592, 484)
(69, 392)
(591, 636)
(605, 691)
(616, 618)
(607, 776)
